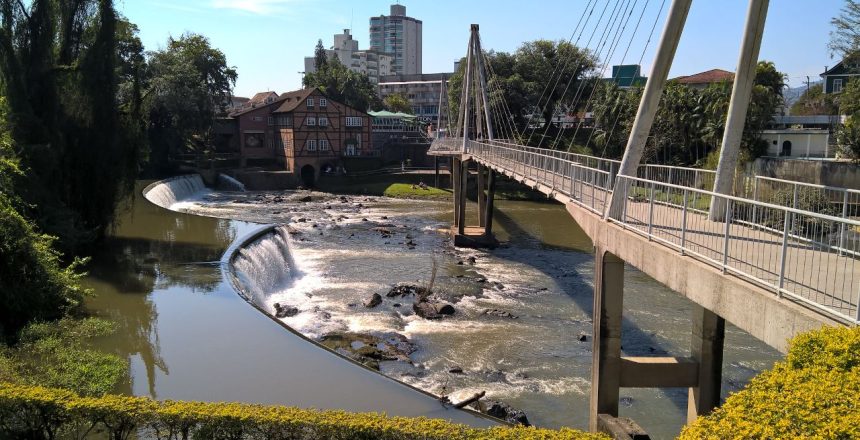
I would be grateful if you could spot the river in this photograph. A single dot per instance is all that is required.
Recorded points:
(525, 352)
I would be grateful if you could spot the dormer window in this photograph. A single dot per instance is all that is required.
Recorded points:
(310, 102)
(323, 102)
(311, 121)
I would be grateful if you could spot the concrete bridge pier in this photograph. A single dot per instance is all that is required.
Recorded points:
(480, 236)
(610, 371)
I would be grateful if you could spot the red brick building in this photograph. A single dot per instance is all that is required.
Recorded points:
(303, 131)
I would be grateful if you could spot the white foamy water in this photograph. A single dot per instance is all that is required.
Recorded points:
(228, 183)
(266, 265)
(168, 193)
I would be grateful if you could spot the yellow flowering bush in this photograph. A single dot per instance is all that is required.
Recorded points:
(813, 394)
(46, 413)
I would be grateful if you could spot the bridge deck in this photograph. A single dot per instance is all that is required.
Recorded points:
(810, 261)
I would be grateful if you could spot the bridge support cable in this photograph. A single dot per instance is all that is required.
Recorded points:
(635, 149)
(741, 92)
(614, 24)
(641, 57)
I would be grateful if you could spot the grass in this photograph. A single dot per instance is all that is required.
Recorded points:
(409, 191)
(381, 188)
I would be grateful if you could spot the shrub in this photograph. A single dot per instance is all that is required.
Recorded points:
(814, 393)
(42, 413)
(54, 354)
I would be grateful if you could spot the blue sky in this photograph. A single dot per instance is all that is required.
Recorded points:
(267, 40)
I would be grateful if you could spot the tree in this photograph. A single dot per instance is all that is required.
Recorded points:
(397, 102)
(845, 36)
(538, 80)
(58, 63)
(320, 57)
(343, 85)
(815, 102)
(848, 137)
(190, 83)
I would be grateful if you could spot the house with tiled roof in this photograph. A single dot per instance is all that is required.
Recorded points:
(704, 79)
(303, 131)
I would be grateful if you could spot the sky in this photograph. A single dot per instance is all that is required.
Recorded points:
(267, 40)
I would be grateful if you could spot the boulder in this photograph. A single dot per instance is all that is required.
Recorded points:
(306, 199)
(445, 309)
(500, 313)
(374, 301)
(582, 337)
(425, 310)
(505, 412)
(456, 370)
(407, 289)
(285, 311)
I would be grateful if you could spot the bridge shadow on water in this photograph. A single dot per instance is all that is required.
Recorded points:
(636, 341)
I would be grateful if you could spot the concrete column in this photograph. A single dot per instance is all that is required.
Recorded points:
(455, 185)
(491, 195)
(606, 344)
(741, 92)
(482, 197)
(436, 171)
(709, 332)
(651, 96)
(463, 170)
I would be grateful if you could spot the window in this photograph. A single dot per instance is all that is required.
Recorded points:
(311, 145)
(353, 121)
(323, 121)
(324, 145)
(837, 85)
(323, 102)
(271, 121)
(350, 150)
(311, 121)
(310, 102)
(257, 118)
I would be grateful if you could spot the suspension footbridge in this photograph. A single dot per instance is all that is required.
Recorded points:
(746, 249)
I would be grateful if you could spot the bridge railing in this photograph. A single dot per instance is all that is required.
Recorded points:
(585, 185)
(808, 256)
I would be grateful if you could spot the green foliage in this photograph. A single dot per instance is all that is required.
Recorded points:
(814, 394)
(343, 85)
(43, 413)
(189, 85)
(396, 102)
(845, 36)
(58, 64)
(526, 82)
(848, 136)
(33, 282)
(815, 102)
(54, 354)
(320, 57)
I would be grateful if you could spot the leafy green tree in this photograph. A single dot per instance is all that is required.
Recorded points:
(534, 82)
(845, 36)
(343, 85)
(815, 102)
(190, 83)
(396, 102)
(58, 63)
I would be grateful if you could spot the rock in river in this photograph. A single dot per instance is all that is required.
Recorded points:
(374, 301)
(285, 311)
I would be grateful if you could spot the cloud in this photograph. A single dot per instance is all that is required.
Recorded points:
(254, 6)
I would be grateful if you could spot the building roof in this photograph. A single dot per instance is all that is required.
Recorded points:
(706, 77)
(842, 68)
(290, 100)
(261, 97)
(388, 114)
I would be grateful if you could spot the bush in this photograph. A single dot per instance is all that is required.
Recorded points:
(43, 413)
(814, 393)
(33, 283)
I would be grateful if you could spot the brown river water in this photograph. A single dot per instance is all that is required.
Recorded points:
(189, 335)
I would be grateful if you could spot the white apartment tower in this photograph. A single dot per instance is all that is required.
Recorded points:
(400, 36)
(369, 62)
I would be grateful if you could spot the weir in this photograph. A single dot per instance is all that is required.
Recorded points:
(228, 183)
(166, 193)
(263, 263)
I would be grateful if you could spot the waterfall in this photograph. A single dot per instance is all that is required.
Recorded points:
(265, 264)
(167, 192)
(228, 183)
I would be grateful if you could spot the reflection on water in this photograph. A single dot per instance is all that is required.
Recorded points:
(150, 249)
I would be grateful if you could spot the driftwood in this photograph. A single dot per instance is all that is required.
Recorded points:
(470, 400)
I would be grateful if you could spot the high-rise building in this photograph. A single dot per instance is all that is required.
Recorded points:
(369, 62)
(400, 36)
